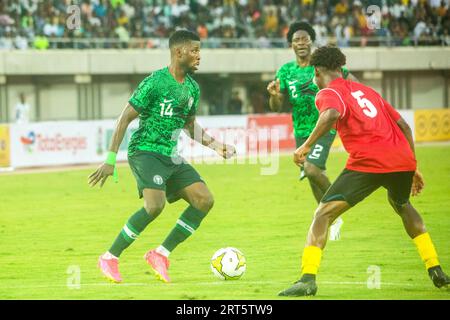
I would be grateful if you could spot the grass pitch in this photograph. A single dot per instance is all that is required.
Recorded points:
(52, 226)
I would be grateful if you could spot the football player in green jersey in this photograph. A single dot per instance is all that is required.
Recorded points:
(294, 85)
(166, 103)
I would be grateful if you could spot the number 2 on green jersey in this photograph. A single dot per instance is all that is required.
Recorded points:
(292, 88)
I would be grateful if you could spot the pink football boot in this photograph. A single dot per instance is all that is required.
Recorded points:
(159, 264)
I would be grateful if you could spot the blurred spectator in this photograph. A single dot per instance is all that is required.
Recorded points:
(6, 42)
(341, 8)
(216, 106)
(202, 31)
(258, 101)
(321, 34)
(420, 29)
(235, 104)
(271, 22)
(117, 3)
(51, 29)
(20, 42)
(442, 10)
(5, 19)
(41, 42)
(22, 110)
(446, 37)
(122, 33)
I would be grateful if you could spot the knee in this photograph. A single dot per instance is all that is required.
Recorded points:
(312, 172)
(400, 209)
(325, 215)
(154, 208)
(203, 202)
(410, 216)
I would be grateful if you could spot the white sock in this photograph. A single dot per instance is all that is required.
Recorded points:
(335, 229)
(163, 251)
(108, 255)
(338, 222)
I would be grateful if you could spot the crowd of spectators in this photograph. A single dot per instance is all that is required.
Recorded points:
(220, 23)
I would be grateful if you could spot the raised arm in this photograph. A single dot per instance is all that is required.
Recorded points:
(277, 98)
(107, 168)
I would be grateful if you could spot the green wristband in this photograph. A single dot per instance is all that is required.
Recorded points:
(111, 158)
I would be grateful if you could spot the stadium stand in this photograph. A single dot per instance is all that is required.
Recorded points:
(221, 23)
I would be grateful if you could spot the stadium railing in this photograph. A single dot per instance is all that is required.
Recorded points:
(238, 43)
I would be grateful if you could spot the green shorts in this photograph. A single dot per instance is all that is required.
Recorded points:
(320, 151)
(156, 171)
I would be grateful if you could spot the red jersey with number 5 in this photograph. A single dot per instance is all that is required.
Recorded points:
(368, 128)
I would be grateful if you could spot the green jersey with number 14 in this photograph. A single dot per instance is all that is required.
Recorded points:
(297, 83)
(163, 105)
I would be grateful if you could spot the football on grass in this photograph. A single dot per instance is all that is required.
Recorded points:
(228, 264)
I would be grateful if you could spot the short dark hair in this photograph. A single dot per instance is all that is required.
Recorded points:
(181, 36)
(300, 25)
(330, 57)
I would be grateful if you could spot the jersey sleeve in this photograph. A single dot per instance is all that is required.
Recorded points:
(195, 104)
(329, 99)
(142, 96)
(281, 74)
(394, 114)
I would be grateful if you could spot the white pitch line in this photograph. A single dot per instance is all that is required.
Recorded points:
(42, 286)
(365, 283)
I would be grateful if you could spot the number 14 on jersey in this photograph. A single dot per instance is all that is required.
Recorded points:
(166, 108)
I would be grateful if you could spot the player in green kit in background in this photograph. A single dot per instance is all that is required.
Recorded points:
(165, 102)
(294, 85)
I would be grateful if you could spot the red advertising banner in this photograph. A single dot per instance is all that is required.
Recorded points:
(270, 127)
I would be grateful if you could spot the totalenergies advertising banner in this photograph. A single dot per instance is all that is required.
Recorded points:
(38, 144)
(62, 143)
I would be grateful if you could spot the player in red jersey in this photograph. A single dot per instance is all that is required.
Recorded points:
(381, 149)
